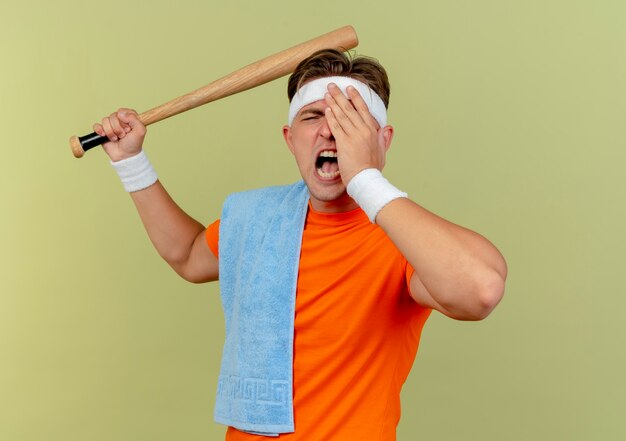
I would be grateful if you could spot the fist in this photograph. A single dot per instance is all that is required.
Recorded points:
(125, 132)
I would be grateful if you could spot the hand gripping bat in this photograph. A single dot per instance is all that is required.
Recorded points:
(255, 74)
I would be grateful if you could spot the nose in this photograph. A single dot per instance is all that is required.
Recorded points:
(325, 131)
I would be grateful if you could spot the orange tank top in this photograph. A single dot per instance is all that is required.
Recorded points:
(357, 331)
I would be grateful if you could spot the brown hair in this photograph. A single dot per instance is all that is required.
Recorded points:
(329, 62)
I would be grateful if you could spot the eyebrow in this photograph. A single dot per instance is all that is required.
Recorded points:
(315, 112)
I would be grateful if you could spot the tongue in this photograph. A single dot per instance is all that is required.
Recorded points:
(330, 167)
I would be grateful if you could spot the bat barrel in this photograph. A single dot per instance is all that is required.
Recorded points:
(255, 74)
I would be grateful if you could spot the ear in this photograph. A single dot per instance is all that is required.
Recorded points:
(385, 136)
(287, 136)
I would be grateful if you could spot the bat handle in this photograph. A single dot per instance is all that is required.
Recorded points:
(80, 144)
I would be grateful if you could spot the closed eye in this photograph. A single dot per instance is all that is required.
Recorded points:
(311, 114)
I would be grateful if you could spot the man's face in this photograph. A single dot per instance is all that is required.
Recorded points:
(310, 140)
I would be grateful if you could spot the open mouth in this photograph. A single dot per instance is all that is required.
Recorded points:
(326, 164)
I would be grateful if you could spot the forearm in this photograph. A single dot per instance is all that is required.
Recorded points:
(171, 230)
(461, 270)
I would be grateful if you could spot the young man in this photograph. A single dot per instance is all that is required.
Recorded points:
(326, 284)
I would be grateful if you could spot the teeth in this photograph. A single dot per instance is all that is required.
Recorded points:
(327, 175)
(320, 171)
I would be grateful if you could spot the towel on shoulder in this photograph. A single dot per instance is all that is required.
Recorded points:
(259, 242)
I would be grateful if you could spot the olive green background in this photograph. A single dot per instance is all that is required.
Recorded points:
(509, 118)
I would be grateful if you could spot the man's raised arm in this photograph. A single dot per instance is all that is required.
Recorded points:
(178, 238)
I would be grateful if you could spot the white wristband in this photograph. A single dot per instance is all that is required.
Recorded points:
(372, 191)
(135, 172)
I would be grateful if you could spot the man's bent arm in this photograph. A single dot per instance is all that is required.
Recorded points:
(457, 271)
(178, 238)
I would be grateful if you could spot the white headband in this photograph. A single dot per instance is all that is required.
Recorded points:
(316, 89)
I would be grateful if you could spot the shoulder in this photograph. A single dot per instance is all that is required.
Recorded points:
(272, 191)
(257, 199)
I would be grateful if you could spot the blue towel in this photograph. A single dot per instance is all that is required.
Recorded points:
(259, 244)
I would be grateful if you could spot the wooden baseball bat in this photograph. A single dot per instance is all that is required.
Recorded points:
(255, 74)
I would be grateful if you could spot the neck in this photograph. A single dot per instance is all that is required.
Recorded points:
(342, 204)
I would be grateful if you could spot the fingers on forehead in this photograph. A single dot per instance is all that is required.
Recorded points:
(360, 105)
(343, 100)
(356, 98)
